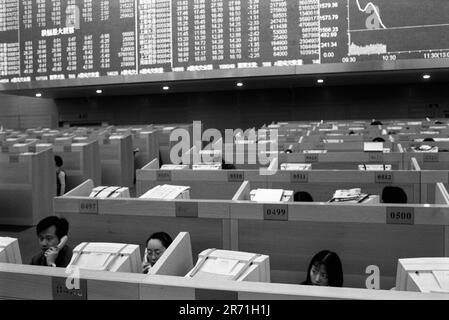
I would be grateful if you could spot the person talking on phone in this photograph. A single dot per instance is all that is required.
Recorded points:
(156, 245)
(52, 233)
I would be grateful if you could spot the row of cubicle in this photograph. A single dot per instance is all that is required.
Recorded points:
(219, 213)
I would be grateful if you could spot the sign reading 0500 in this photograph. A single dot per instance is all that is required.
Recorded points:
(400, 215)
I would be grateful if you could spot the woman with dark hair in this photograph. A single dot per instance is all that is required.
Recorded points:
(378, 139)
(156, 245)
(325, 270)
(302, 196)
(392, 194)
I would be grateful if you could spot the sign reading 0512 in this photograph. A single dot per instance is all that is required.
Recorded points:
(311, 157)
(383, 177)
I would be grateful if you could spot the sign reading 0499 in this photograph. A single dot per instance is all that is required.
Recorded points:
(275, 212)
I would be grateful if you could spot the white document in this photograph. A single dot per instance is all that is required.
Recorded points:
(373, 146)
(271, 195)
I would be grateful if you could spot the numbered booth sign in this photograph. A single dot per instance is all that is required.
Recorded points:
(384, 177)
(275, 212)
(88, 206)
(163, 175)
(400, 215)
(235, 176)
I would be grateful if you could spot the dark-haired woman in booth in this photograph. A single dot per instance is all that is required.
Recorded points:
(325, 269)
(392, 194)
(156, 245)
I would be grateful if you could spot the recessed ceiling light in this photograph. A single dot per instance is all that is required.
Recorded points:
(99, 91)
(165, 88)
(239, 84)
(38, 95)
(426, 76)
(320, 81)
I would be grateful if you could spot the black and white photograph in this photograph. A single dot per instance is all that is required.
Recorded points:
(224, 155)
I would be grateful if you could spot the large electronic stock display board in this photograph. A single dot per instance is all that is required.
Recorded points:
(51, 43)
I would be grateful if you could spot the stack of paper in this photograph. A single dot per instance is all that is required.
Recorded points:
(207, 166)
(373, 146)
(104, 192)
(332, 140)
(351, 195)
(334, 134)
(296, 166)
(375, 167)
(167, 192)
(271, 195)
(356, 129)
(425, 148)
(244, 141)
(314, 151)
(175, 167)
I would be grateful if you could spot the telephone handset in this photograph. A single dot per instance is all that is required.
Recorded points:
(62, 242)
(145, 257)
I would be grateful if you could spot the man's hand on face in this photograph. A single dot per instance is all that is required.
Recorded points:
(51, 255)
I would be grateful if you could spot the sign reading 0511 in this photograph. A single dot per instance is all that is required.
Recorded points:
(375, 157)
(298, 176)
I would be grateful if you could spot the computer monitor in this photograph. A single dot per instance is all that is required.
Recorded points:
(216, 264)
(115, 257)
(10, 251)
(423, 275)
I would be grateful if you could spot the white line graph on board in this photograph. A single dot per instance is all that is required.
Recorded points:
(380, 32)
(382, 24)
(376, 11)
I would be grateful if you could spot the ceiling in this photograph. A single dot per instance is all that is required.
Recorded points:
(249, 83)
